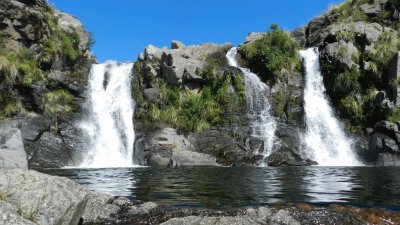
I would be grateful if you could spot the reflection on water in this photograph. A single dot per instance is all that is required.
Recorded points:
(238, 187)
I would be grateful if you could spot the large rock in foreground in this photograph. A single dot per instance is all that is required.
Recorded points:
(40, 198)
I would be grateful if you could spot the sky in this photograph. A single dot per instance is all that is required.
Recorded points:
(123, 28)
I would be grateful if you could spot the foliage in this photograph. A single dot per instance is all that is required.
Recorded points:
(394, 116)
(352, 107)
(385, 49)
(57, 101)
(3, 196)
(348, 81)
(31, 215)
(216, 103)
(274, 55)
(349, 11)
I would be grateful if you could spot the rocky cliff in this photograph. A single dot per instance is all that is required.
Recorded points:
(190, 104)
(44, 64)
(359, 47)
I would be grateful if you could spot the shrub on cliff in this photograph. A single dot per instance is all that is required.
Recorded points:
(274, 56)
(216, 103)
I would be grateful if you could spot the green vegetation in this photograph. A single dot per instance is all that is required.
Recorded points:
(349, 11)
(274, 55)
(57, 101)
(347, 82)
(386, 48)
(216, 103)
(24, 68)
(3, 196)
(394, 116)
(31, 215)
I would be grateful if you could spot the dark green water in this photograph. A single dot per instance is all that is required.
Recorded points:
(240, 187)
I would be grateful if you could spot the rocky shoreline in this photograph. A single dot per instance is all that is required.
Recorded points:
(28, 197)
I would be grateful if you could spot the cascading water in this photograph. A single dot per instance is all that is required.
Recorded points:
(325, 140)
(110, 108)
(263, 125)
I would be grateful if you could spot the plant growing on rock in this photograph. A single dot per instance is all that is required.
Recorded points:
(57, 101)
(274, 56)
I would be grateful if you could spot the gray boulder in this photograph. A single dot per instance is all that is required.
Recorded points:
(181, 62)
(191, 158)
(144, 208)
(286, 157)
(151, 94)
(72, 25)
(253, 36)
(48, 152)
(12, 152)
(9, 215)
(99, 208)
(177, 45)
(387, 159)
(229, 151)
(371, 9)
(168, 148)
(342, 51)
(46, 199)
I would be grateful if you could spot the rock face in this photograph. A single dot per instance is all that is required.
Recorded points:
(167, 148)
(179, 64)
(12, 152)
(52, 147)
(44, 85)
(384, 144)
(42, 199)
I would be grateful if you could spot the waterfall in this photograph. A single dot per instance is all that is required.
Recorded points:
(262, 124)
(325, 141)
(109, 123)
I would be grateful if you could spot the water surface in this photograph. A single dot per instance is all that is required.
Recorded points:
(240, 187)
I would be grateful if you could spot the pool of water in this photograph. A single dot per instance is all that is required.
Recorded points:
(234, 187)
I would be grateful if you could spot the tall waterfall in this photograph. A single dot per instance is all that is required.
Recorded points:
(109, 125)
(325, 140)
(263, 125)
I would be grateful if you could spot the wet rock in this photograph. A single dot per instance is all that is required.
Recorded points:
(121, 201)
(74, 140)
(286, 157)
(144, 208)
(376, 145)
(48, 152)
(212, 221)
(386, 127)
(51, 200)
(12, 152)
(191, 158)
(33, 127)
(228, 150)
(387, 159)
(284, 217)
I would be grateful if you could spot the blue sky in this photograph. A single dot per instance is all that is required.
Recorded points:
(123, 28)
